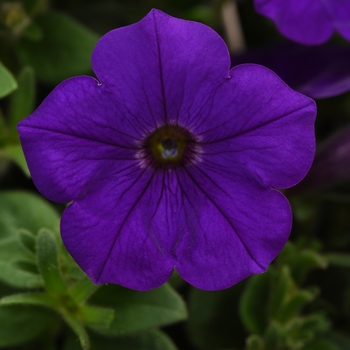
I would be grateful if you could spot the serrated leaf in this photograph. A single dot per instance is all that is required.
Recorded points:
(96, 316)
(20, 324)
(48, 264)
(7, 81)
(136, 311)
(22, 100)
(59, 54)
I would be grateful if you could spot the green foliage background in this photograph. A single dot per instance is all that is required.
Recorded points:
(47, 302)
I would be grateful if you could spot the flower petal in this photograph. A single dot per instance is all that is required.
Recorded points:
(159, 64)
(261, 124)
(307, 22)
(340, 13)
(316, 71)
(75, 137)
(119, 232)
(235, 227)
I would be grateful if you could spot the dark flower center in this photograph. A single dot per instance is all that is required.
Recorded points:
(168, 147)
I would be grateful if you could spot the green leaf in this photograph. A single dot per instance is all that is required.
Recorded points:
(151, 340)
(61, 53)
(83, 290)
(338, 259)
(254, 303)
(96, 316)
(48, 263)
(20, 324)
(341, 340)
(136, 311)
(214, 321)
(25, 210)
(22, 100)
(77, 328)
(148, 340)
(7, 81)
(17, 277)
(14, 153)
(27, 241)
(322, 344)
(280, 291)
(255, 342)
(38, 299)
(292, 307)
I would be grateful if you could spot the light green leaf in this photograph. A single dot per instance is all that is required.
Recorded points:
(22, 100)
(7, 81)
(20, 324)
(17, 277)
(48, 263)
(38, 299)
(77, 328)
(136, 311)
(25, 210)
(61, 53)
(27, 241)
(83, 290)
(96, 316)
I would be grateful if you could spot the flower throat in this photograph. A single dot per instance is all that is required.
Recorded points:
(168, 147)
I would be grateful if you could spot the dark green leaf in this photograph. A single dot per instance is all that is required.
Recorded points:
(7, 81)
(48, 263)
(61, 53)
(322, 344)
(136, 311)
(254, 303)
(19, 323)
(148, 340)
(22, 100)
(214, 322)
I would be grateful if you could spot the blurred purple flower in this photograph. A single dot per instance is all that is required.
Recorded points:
(172, 160)
(318, 71)
(309, 22)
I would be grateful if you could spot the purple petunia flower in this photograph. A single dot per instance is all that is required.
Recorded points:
(316, 71)
(309, 22)
(171, 160)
